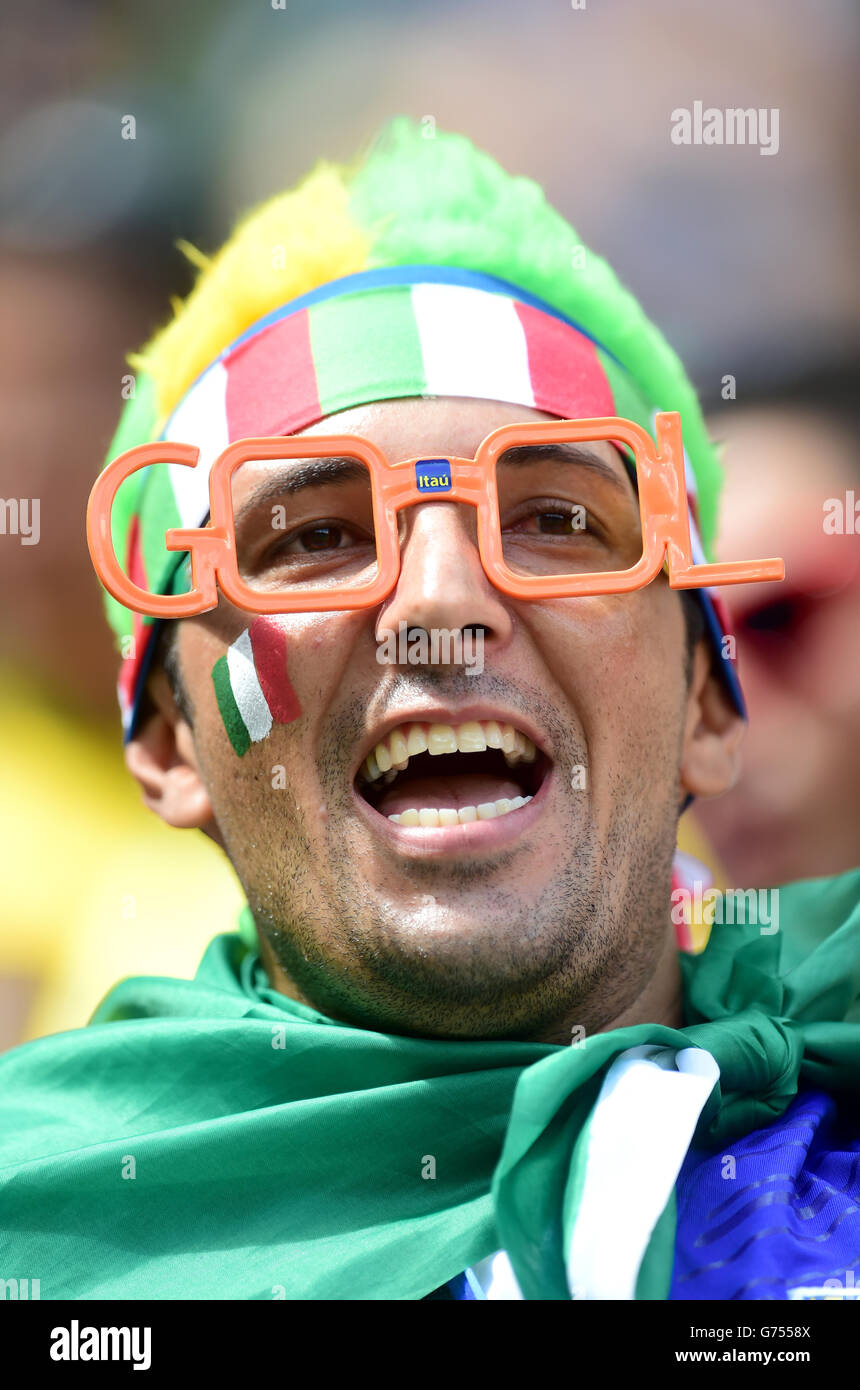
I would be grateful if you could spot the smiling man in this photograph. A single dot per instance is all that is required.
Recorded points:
(433, 866)
(454, 1050)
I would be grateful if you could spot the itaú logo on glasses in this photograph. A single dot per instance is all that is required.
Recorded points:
(527, 484)
(433, 475)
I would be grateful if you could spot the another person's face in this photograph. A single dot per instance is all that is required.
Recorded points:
(493, 927)
(795, 811)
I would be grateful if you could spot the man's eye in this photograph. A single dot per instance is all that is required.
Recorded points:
(557, 523)
(323, 537)
(320, 538)
(553, 521)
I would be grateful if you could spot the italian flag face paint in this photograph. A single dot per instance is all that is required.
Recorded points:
(252, 685)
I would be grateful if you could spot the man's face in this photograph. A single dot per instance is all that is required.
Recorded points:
(506, 926)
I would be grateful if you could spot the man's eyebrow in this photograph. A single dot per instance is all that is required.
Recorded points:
(579, 454)
(292, 478)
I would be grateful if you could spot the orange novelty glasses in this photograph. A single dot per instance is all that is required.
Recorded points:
(312, 523)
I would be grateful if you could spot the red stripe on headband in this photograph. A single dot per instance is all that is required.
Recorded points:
(566, 373)
(271, 381)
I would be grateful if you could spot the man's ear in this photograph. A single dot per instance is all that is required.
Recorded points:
(163, 760)
(711, 758)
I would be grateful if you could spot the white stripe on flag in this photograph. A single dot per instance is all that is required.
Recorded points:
(638, 1135)
(126, 709)
(201, 419)
(247, 692)
(472, 343)
(495, 1279)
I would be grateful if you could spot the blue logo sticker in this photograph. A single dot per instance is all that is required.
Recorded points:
(433, 475)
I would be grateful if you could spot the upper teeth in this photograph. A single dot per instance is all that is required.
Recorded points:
(392, 754)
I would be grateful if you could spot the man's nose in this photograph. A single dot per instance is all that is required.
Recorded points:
(442, 583)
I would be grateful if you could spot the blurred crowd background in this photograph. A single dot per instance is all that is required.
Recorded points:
(747, 261)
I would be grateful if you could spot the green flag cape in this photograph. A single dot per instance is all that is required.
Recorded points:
(213, 1139)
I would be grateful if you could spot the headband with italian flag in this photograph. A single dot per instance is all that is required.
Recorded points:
(377, 335)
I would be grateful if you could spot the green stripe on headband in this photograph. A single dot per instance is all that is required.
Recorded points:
(384, 325)
(629, 402)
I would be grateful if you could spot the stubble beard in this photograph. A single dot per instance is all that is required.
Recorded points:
(574, 957)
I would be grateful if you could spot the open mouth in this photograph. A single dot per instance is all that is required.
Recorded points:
(423, 774)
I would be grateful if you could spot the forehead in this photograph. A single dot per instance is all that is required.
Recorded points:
(435, 425)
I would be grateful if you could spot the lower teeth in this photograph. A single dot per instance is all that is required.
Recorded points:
(488, 810)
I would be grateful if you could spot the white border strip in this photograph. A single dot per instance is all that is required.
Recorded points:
(200, 419)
